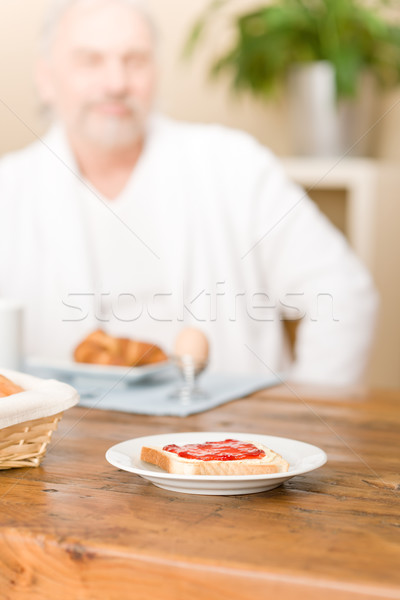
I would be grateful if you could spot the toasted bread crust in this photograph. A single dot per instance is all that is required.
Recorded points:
(172, 463)
(7, 387)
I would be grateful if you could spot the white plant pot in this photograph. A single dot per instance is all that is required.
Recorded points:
(322, 126)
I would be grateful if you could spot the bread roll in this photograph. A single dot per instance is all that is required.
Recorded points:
(102, 349)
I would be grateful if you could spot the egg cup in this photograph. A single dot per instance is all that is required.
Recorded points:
(190, 369)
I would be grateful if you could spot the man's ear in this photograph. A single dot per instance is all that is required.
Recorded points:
(43, 75)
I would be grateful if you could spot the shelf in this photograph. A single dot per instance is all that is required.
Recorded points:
(331, 173)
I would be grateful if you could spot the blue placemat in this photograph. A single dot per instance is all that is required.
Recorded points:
(151, 397)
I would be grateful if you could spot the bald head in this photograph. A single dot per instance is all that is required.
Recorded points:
(99, 73)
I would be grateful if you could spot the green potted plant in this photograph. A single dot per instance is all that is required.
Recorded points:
(320, 47)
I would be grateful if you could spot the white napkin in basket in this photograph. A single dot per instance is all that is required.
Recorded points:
(42, 398)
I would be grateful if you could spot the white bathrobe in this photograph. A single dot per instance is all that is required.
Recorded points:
(208, 232)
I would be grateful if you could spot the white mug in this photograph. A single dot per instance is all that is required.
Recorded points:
(11, 315)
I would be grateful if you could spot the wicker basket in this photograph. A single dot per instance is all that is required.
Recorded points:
(24, 444)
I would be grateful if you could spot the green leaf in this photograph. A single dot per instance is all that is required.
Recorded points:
(270, 39)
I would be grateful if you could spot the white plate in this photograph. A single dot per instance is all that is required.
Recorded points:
(72, 369)
(302, 458)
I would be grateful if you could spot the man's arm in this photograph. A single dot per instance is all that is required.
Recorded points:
(316, 276)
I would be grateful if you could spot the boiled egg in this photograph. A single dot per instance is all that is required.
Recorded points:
(192, 342)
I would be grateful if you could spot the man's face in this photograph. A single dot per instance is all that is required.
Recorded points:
(101, 73)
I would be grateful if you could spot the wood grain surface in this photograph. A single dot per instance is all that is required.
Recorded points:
(78, 528)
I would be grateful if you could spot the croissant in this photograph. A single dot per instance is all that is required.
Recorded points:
(102, 349)
(7, 387)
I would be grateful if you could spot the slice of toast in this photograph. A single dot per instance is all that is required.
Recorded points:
(172, 463)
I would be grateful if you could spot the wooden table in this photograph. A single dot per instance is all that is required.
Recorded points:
(78, 528)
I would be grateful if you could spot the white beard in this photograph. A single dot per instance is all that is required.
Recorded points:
(113, 132)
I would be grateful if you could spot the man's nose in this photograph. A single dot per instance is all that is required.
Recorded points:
(116, 78)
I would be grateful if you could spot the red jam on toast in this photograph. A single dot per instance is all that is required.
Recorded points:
(225, 450)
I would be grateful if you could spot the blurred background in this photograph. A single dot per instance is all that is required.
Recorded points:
(359, 193)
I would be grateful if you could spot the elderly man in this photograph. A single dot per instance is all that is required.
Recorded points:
(128, 221)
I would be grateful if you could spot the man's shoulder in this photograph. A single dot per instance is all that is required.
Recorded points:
(21, 167)
(213, 137)
(24, 158)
